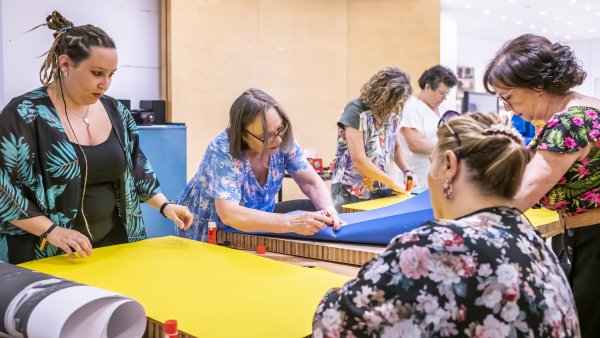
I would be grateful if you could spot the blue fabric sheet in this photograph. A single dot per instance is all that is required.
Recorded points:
(377, 226)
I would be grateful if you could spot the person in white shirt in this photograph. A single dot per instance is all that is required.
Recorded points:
(420, 118)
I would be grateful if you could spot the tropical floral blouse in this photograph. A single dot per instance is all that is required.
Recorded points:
(40, 173)
(380, 144)
(222, 176)
(488, 274)
(567, 132)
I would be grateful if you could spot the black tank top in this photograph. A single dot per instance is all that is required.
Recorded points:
(106, 164)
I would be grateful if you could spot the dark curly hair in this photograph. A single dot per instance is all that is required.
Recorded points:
(436, 75)
(73, 41)
(532, 61)
(386, 92)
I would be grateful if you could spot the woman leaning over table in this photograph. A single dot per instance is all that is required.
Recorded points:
(478, 270)
(243, 169)
(367, 141)
(72, 174)
(533, 77)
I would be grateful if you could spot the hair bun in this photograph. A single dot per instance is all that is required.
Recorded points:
(499, 128)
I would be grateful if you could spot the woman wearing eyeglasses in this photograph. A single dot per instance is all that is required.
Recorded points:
(478, 270)
(534, 77)
(419, 118)
(243, 169)
(367, 140)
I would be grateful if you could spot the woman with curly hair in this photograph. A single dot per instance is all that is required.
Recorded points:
(367, 142)
(533, 77)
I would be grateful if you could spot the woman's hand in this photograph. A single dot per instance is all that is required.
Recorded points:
(337, 222)
(308, 223)
(70, 241)
(180, 215)
(398, 189)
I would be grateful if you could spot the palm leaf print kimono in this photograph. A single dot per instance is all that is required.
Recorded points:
(40, 173)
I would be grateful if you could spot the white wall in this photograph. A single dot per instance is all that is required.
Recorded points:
(477, 53)
(588, 51)
(449, 51)
(133, 24)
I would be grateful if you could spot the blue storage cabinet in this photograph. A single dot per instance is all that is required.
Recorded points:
(165, 148)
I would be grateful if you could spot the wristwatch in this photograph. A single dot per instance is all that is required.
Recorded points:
(164, 205)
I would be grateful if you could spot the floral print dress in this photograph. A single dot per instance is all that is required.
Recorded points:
(488, 274)
(222, 176)
(567, 132)
(380, 144)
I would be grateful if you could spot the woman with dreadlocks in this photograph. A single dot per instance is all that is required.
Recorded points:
(72, 174)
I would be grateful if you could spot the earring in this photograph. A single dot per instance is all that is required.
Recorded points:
(65, 73)
(447, 190)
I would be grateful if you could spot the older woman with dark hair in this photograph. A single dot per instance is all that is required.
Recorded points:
(367, 141)
(243, 169)
(533, 77)
(478, 270)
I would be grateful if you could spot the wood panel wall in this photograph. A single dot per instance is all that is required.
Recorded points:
(312, 56)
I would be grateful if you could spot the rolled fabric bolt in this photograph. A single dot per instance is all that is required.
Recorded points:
(261, 249)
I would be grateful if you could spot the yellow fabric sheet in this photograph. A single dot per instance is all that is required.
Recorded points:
(377, 203)
(210, 290)
(537, 217)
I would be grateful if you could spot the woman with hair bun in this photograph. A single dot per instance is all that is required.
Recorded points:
(533, 77)
(72, 174)
(478, 270)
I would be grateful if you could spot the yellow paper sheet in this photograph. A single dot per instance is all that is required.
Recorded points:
(210, 290)
(537, 217)
(377, 203)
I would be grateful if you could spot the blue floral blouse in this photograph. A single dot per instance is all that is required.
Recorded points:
(488, 274)
(222, 176)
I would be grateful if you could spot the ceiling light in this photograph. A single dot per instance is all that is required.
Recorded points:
(597, 13)
(544, 30)
(557, 18)
(511, 0)
(573, 1)
(503, 17)
(567, 37)
(569, 22)
(532, 26)
(518, 22)
(555, 34)
(591, 30)
(468, 5)
(587, 8)
(487, 11)
(543, 13)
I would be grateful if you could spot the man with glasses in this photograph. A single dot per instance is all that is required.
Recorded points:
(420, 117)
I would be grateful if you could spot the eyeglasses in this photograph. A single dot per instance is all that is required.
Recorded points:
(271, 137)
(505, 100)
(447, 116)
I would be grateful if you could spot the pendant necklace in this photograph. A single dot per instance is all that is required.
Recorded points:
(84, 118)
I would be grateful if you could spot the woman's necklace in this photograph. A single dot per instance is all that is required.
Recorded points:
(84, 118)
